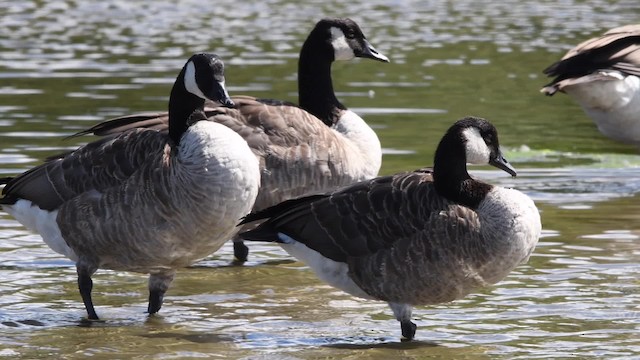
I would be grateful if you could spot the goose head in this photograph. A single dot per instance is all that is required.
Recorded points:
(470, 140)
(201, 79)
(342, 39)
(481, 145)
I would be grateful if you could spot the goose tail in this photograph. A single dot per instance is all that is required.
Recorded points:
(261, 233)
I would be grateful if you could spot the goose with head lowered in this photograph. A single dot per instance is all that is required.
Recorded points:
(603, 75)
(416, 238)
(317, 146)
(143, 200)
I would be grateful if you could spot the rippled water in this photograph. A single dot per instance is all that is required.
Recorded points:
(65, 65)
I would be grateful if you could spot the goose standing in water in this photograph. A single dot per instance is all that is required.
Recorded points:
(603, 75)
(416, 238)
(143, 200)
(317, 146)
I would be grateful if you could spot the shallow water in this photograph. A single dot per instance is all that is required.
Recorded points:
(66, 65)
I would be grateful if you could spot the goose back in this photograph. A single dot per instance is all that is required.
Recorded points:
(298, 154)
(384, 227)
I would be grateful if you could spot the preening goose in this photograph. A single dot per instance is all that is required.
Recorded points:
(316, 147)
(144, 200)
(603, 75)
(416, 238)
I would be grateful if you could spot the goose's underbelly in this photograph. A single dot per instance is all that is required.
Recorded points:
(613, 103)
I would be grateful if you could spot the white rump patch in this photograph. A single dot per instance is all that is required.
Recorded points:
(190, 81)
(478, 152)
(341, 48)
(42, 222)
(332, 272)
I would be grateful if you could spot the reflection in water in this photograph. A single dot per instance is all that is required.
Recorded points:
(65, 65)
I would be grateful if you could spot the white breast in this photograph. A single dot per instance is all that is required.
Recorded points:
(229, 172)
(511, 228)
(363, 145)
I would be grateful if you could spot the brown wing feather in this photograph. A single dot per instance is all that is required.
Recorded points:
(618, 49)
(262, 122)
(357, 220)
(96, 166)
(283, 136)
(402, 241)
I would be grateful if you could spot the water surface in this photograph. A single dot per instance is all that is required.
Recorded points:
(66, 65)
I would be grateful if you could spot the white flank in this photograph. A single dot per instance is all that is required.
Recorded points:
(611, 101)
(332, 272)
(478, 152)
(42, 222)
(340, 45)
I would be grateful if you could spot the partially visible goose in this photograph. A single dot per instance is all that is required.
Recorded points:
(417, 238)
(143, 200)
(316, 147)
(603, 75)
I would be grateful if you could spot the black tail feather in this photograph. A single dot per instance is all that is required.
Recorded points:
(118, 125)
(261, 233)
(6, 200)
(5, 180)
(267, 231)
(278, 209)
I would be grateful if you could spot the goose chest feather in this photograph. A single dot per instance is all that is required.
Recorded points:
(144, 200)
(417, 238)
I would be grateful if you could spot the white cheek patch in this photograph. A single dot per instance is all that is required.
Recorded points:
(341, 48)
(190, 81)
(478, 152)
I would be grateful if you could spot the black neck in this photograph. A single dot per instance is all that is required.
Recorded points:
(450, 176)
(315, 88)
(181, 105)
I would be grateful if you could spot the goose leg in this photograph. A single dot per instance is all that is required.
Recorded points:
(402, 313)
(240, 250)
(158, 286)
(85, 285)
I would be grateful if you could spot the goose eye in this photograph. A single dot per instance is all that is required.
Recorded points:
(488, 140)
(350, 34)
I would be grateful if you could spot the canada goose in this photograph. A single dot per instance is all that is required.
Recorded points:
(316, 147)
(603, 75)
(143, 200)
(416, 238)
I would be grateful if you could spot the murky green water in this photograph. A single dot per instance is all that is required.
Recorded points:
(65, 65)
